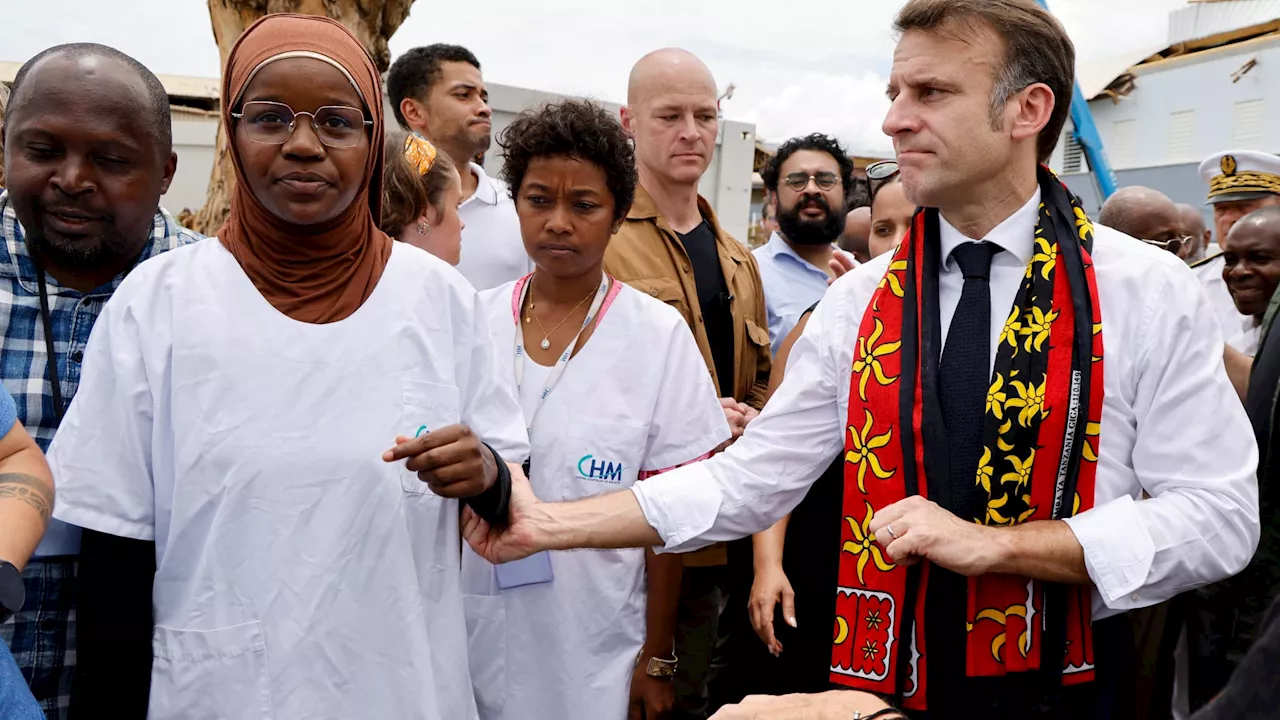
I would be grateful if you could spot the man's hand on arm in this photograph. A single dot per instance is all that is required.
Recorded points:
(917, 529)
(26, 496)
(604, 521)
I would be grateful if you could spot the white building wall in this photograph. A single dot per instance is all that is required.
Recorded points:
(195, 141)
(1187, 109)
(726, 184)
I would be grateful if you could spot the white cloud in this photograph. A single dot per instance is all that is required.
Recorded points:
(816, 67)
(850, 107)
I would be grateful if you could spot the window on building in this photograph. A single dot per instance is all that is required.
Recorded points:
(1122, 147)
(1182, 136)
(1073, 160)
(1247, 125)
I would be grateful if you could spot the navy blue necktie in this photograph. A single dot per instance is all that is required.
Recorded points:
(964, 374)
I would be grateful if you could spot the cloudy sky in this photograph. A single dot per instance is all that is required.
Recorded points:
(815, 65)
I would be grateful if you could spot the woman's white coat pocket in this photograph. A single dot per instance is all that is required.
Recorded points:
(222, 671)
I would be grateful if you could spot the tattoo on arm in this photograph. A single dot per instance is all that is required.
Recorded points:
(29, 490)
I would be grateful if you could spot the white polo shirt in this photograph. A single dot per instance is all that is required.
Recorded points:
(492, 249)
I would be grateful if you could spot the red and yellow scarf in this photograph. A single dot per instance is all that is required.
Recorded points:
(1036, 463)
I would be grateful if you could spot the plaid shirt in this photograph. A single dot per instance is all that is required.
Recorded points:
(42, 635)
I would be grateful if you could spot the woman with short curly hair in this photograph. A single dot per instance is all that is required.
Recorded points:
(614, 391)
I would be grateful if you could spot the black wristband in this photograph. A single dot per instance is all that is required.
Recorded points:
(885, 713)
(494, 504)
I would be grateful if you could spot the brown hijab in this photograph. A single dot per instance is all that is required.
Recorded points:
(318, 273)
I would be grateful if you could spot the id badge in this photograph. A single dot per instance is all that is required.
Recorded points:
(533, 570)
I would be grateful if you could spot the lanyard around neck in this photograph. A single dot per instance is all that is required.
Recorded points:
(522, 291)
(51, 359)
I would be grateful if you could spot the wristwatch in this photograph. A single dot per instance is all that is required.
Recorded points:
(660, 668)
(12, 592)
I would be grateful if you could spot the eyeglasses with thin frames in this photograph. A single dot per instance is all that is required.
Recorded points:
(880, 174)
(1174, 246)
(798, 181)
(273, 123)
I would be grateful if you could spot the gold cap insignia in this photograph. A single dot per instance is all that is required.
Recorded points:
(1228, 165)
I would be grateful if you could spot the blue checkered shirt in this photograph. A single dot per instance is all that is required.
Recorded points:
(42, 634)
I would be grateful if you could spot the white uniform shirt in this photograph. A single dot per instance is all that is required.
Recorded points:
(492, 247)
(1166, 391)
(297, 574)
(636, 399)
(1247, 341)
(1224, 308)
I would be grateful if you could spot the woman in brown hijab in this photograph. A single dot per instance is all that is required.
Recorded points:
(237, 401)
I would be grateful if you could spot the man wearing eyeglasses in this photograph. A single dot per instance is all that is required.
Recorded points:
(1148, 215)
(808, 178)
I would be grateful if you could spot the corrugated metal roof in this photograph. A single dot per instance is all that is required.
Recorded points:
(1095, 75)
(1202, 19)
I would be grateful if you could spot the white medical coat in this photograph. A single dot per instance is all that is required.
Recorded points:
(297, 574)
(636, 399)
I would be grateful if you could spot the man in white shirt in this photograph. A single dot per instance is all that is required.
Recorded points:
(437, 91)
(1193, 225)
(980, 91)
(1240, 182)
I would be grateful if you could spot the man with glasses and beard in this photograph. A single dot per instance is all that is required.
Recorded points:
(808, 179)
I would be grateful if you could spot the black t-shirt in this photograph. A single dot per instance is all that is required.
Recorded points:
(713, 296)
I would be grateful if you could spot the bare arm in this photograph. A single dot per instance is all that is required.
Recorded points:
(664, 594)
(1239, 368)
(26, 496)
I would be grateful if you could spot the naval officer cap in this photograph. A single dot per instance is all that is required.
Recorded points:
(1241, 175)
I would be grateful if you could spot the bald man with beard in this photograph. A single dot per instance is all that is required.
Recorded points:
(672, 247)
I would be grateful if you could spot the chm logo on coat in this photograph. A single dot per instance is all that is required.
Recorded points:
(591, 468)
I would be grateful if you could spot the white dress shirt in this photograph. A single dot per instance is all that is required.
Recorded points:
(492, 247)
(1166, 391)
(1219, 297)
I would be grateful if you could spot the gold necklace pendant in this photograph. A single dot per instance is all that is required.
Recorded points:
(546, 336)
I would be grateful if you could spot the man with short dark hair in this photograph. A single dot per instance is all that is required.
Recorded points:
(1148, 215)
(81, 210)
(1006, 497)
(438, 92)
(1251, 269)
(1193, 226)
(1226, 616)
(807, 178)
